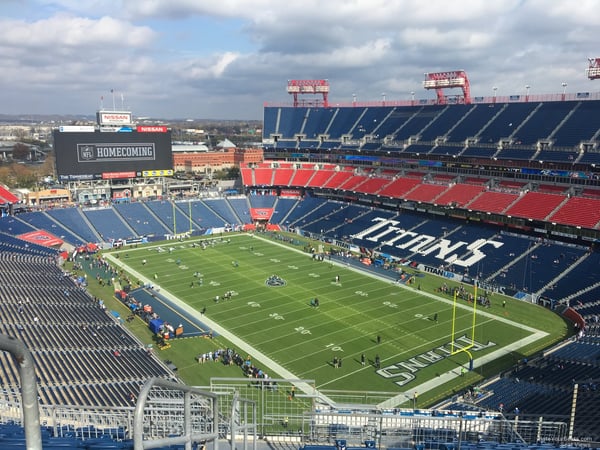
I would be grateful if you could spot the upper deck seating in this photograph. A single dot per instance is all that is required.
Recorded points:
(343, 120)
(580, 126)
(543, 121)
(506, 120)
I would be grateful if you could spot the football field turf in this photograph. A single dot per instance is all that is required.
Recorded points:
(272, 286)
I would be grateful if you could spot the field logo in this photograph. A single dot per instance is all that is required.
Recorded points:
(275, 281)
(403, 372)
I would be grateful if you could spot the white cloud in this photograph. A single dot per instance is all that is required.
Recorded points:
(236, 54)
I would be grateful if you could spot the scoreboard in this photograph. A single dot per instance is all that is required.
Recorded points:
(124, 153)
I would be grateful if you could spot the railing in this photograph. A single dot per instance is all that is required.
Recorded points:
(517, 98)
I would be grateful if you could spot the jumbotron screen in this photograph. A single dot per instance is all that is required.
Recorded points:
(103, 155)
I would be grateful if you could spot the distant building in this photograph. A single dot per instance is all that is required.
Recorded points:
(199, 160)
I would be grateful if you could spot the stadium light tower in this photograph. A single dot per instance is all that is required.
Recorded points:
(495, 88)
(527, 87)
(295, 87)
(593, 70)
(447, 80)
(564, 92)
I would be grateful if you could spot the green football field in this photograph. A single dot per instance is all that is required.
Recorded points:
(273, 283)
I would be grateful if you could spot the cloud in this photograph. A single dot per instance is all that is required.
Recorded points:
(203, 57)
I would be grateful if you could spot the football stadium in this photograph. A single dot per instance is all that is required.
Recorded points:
(420, 274)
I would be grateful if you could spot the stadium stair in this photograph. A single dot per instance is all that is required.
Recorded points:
(90, 225)
(563, 273)
(156, 217)
(514, 261)
(118, 213)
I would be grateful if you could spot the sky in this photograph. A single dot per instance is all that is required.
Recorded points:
(223, 59)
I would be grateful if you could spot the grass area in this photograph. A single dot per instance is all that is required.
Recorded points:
(279, 321)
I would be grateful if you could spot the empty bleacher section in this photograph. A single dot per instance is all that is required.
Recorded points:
(204, 217)
(535, 205)
(338, 179)
(372, 185)
(564, 124)
(459, 194)
(42, 221)
(282, 206)
(108, 224)
(170, 215)
(322, 175)
(73, 219)
(241, 207)
(578, 211)
(425, 192)
(400, 187)
(140, 219)
(73, 339)
(14, 226)
(223, 209)
(263, 176)
(301, 177)
(282, 174)
(10, 243)
(545, 387)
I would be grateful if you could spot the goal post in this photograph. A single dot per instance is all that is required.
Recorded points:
(454, 347)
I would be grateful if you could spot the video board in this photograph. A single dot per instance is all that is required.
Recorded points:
(103, 155)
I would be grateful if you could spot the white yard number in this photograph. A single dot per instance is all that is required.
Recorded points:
(254, 305)
(302, 330)
(362, 293)
(335, 348)
(390, 304)
(276, 316)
